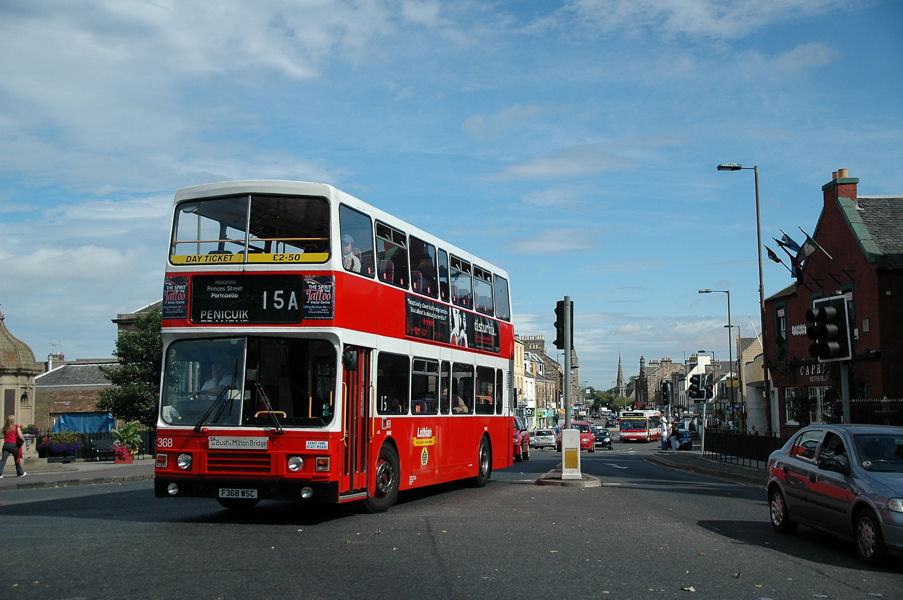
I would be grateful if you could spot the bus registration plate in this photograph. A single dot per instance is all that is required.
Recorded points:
(237, 493)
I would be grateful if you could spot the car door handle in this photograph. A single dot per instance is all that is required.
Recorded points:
(813, 477)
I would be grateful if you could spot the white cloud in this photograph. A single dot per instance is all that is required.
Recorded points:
(556, 241)
(716, 19)
(579, 161)
(805, 57)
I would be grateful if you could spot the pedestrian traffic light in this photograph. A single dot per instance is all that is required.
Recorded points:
(828, 328)
(694, 391)
(559, 323)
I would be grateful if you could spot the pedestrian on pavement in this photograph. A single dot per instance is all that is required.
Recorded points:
(674, 438)
(12, 443)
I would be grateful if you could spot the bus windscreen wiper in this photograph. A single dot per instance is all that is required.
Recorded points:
(216, 401)
(270, 411)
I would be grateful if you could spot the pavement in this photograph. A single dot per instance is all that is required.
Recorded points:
(41, 473)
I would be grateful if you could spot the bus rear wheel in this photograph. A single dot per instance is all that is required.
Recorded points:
(385, 489)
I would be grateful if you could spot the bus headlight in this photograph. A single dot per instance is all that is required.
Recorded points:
(184, 462)
(172, 489)
(295, 463)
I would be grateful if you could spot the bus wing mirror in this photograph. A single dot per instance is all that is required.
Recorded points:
(349, 360)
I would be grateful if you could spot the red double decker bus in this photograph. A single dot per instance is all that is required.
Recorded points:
(318, 348)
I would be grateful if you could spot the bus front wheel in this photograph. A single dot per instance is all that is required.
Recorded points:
(385, 489)
(484, 464)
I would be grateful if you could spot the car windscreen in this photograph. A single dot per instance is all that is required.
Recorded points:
(880, 452)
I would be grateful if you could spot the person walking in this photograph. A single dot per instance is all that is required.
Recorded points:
(12, 442)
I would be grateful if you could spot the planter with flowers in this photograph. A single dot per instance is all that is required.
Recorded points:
(122, 455)
(61, 446)
(128, 440)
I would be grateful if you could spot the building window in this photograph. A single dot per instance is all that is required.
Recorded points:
(781, 341)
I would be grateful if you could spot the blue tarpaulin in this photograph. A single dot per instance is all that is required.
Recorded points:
(84, 422)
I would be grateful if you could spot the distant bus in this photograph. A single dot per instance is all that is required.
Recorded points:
(318, 348)
(641, 425)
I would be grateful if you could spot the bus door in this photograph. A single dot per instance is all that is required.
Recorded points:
(356, 416)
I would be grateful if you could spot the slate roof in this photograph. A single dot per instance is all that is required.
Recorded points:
(878, 223)
(77, 374)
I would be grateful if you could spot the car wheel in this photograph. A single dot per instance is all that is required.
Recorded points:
(385, 489)
(780, 518)
(484, 464)
(869, 542)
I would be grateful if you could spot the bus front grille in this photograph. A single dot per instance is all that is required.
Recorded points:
(238, 462)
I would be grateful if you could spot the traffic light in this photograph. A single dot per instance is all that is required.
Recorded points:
(666, 392)
(709, 391)
(559, 323)
(828, 328)
(694, 391)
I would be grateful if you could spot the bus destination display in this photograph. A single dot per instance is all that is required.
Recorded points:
(247, 299)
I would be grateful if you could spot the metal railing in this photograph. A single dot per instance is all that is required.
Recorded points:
(740, 448)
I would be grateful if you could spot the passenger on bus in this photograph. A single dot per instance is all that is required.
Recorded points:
(349, 260)
(458, 405)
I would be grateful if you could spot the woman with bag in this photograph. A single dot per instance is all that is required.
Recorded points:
(12, 444)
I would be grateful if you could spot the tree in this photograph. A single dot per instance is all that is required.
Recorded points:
(136, 381)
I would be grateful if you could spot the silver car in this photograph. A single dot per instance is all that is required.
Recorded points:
(843, 479)
(542, 438)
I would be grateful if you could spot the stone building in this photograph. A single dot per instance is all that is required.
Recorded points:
(69, 391)
(649, 384)
(18, 370)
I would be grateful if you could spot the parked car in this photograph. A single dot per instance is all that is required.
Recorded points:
(543, 438)
(846, 480)
(587, 442)
(602, 437)
(521, 440)
(684, 439)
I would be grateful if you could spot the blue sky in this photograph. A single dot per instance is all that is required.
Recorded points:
(574, 143)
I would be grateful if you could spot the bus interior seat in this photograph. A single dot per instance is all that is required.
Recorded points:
(387, 271)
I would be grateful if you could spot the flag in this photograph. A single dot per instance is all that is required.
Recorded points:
(778, 260)
(787, 242)
(810, 246)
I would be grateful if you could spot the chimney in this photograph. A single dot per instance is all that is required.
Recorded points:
(841, 186)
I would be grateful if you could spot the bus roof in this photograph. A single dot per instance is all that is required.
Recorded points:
(310, 188)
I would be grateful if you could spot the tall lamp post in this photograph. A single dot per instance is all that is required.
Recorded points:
(730, 341)
(765, 390)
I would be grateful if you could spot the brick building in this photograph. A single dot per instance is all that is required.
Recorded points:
(861, 258)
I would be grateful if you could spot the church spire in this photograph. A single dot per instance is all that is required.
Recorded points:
(622, 388)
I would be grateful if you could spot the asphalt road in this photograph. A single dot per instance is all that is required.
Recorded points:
(647, 532)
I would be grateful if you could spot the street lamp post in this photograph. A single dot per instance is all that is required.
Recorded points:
(765, 390)
(730, 341)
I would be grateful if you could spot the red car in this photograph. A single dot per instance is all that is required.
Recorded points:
(521, 440)
(587, 440)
